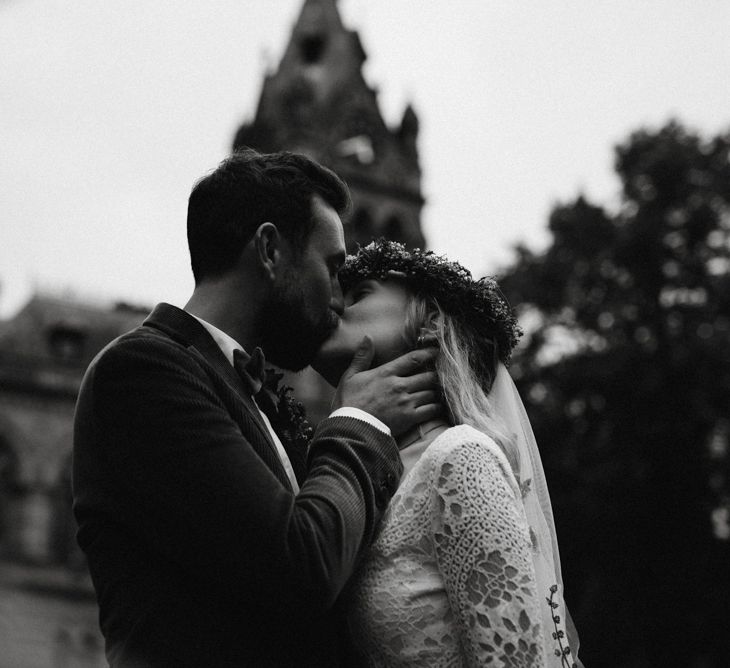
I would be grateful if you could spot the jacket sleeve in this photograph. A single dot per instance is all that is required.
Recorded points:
(189, 484)
(483, 552)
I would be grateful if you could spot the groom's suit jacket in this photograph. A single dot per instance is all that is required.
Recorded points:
(200, 553)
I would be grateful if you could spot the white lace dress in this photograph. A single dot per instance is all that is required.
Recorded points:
(450, 581)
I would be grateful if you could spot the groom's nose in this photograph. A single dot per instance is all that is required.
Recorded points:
(337, 303)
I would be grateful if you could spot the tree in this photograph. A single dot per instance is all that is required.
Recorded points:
(626, 374)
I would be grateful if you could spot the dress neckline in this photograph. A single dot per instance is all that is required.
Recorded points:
(415, 441)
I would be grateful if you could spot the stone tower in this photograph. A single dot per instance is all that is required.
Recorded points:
(318, 103)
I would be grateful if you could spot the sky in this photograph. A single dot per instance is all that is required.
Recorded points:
(109, 112)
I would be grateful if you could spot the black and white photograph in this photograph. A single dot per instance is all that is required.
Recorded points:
(364, 334)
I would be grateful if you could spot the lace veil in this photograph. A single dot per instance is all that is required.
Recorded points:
(507, 409)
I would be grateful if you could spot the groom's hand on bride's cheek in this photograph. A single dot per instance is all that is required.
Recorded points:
(401, 393)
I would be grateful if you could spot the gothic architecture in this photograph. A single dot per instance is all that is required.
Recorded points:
(318, 103)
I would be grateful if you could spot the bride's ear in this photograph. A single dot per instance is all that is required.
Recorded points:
(427, 338)
(267, 243)
(427, 335)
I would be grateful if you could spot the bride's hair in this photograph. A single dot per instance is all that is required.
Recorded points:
(466, 367)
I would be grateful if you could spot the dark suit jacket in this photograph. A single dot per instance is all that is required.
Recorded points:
(200, 553)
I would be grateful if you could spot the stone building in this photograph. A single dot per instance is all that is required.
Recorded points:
(48, 613)
(318, 103)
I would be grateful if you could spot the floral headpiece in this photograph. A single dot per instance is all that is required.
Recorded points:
(479, 303)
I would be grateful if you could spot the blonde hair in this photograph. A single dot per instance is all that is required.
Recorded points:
(466, 367)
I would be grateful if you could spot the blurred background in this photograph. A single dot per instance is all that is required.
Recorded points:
(578, 150)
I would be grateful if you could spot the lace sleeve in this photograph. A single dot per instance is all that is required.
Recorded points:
(483, 552)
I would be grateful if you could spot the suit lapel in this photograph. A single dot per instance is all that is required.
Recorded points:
(186, 330)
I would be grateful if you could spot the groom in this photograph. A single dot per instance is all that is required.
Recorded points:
(209, 544)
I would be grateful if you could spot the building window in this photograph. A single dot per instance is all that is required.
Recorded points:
(66, 343)
(8, 495)
(312, 48)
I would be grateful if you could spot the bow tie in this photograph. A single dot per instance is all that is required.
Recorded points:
(251, 369)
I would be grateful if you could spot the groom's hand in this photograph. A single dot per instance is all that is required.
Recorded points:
(401, 393)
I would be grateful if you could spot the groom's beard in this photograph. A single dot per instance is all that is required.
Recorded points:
(293, 335)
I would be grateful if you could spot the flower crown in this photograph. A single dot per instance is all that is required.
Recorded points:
(479, 303)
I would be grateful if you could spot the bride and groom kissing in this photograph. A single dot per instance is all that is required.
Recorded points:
(413, 528)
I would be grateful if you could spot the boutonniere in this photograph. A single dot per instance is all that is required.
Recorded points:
(291, 416)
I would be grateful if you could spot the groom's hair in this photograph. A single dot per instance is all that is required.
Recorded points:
(247, 189)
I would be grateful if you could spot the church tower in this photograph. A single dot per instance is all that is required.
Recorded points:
(318, 103)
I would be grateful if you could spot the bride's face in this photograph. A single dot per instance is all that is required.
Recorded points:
(375, 308)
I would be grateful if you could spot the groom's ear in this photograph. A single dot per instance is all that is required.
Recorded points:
(267, 243)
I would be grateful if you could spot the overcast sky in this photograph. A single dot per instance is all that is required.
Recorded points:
(110, 110)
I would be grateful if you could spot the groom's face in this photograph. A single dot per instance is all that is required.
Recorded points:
(373, 308)
(307, 300)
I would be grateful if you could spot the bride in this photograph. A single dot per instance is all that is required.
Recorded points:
(465, 570)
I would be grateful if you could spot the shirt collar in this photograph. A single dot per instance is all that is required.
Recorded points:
(226, 343)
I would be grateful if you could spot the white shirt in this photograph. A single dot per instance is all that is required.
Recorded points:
(228, 345)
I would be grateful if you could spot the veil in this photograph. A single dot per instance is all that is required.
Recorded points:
(506, 408)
